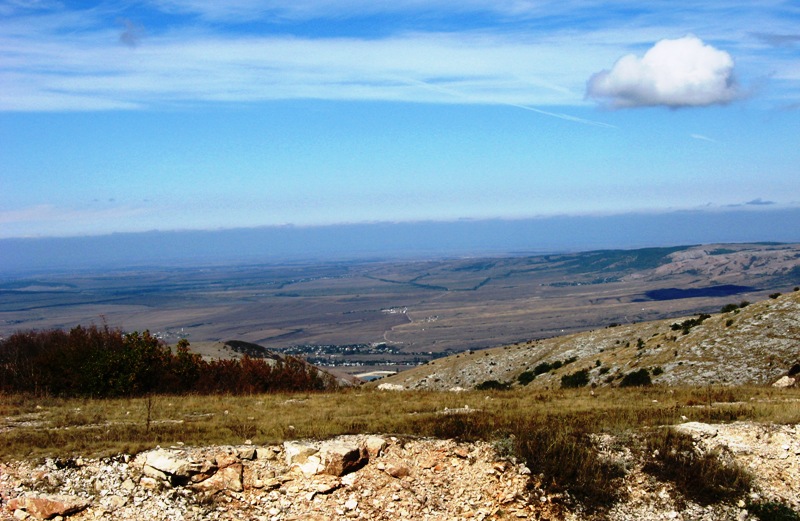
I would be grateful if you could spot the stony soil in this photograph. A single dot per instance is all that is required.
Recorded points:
(379, 478)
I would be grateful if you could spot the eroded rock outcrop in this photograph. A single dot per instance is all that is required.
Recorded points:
(380, 478)
(351, 477)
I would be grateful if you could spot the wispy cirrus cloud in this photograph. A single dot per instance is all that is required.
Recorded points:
(49, 73)
(533, 53)
(308, 9)
(778, 40)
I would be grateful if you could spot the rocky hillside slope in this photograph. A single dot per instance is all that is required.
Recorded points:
(754, 344)
(382, 478)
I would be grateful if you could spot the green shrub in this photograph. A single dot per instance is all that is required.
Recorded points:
(492, 385)
(727, 308)
(774, 295)
(575, 380)
(638, 378)
(688, 324)
(526, 377)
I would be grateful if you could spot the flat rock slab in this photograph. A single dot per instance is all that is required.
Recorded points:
(168, 463)
(42, 506)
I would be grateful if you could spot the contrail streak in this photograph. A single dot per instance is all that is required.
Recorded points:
(703, 138)
(558, 115)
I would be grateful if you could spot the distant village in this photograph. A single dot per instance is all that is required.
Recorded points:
(354, 355)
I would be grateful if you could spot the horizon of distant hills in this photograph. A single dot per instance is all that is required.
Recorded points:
(427, 239)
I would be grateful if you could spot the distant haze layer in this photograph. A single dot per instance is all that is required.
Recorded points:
(399, 240)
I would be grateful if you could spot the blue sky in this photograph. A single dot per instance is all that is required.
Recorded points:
(200, 114)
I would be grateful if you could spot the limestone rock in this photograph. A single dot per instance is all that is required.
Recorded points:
(297, 452)
(113, 502)
(267, 453)
(227, 478)
(397, 469)
(46, 506)
(311, 466)
(375, 445)
(167, 463)
(784, 382)
(340, 457)
(247, 453)
(390, 387)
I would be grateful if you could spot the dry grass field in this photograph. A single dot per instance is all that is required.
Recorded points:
(37, 427)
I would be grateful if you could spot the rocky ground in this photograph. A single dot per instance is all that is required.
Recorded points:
(378, 478)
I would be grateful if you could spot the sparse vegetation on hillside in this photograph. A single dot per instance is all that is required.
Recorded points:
(751, 343)
(688, 324)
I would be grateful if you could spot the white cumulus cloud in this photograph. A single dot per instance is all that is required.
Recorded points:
(684, 72)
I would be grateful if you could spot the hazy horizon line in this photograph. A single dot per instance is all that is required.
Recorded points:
(402, 240)
(756, 205)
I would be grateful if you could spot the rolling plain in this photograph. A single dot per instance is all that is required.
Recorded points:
(385, 314)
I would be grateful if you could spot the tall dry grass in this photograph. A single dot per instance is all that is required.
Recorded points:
(42, 426)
